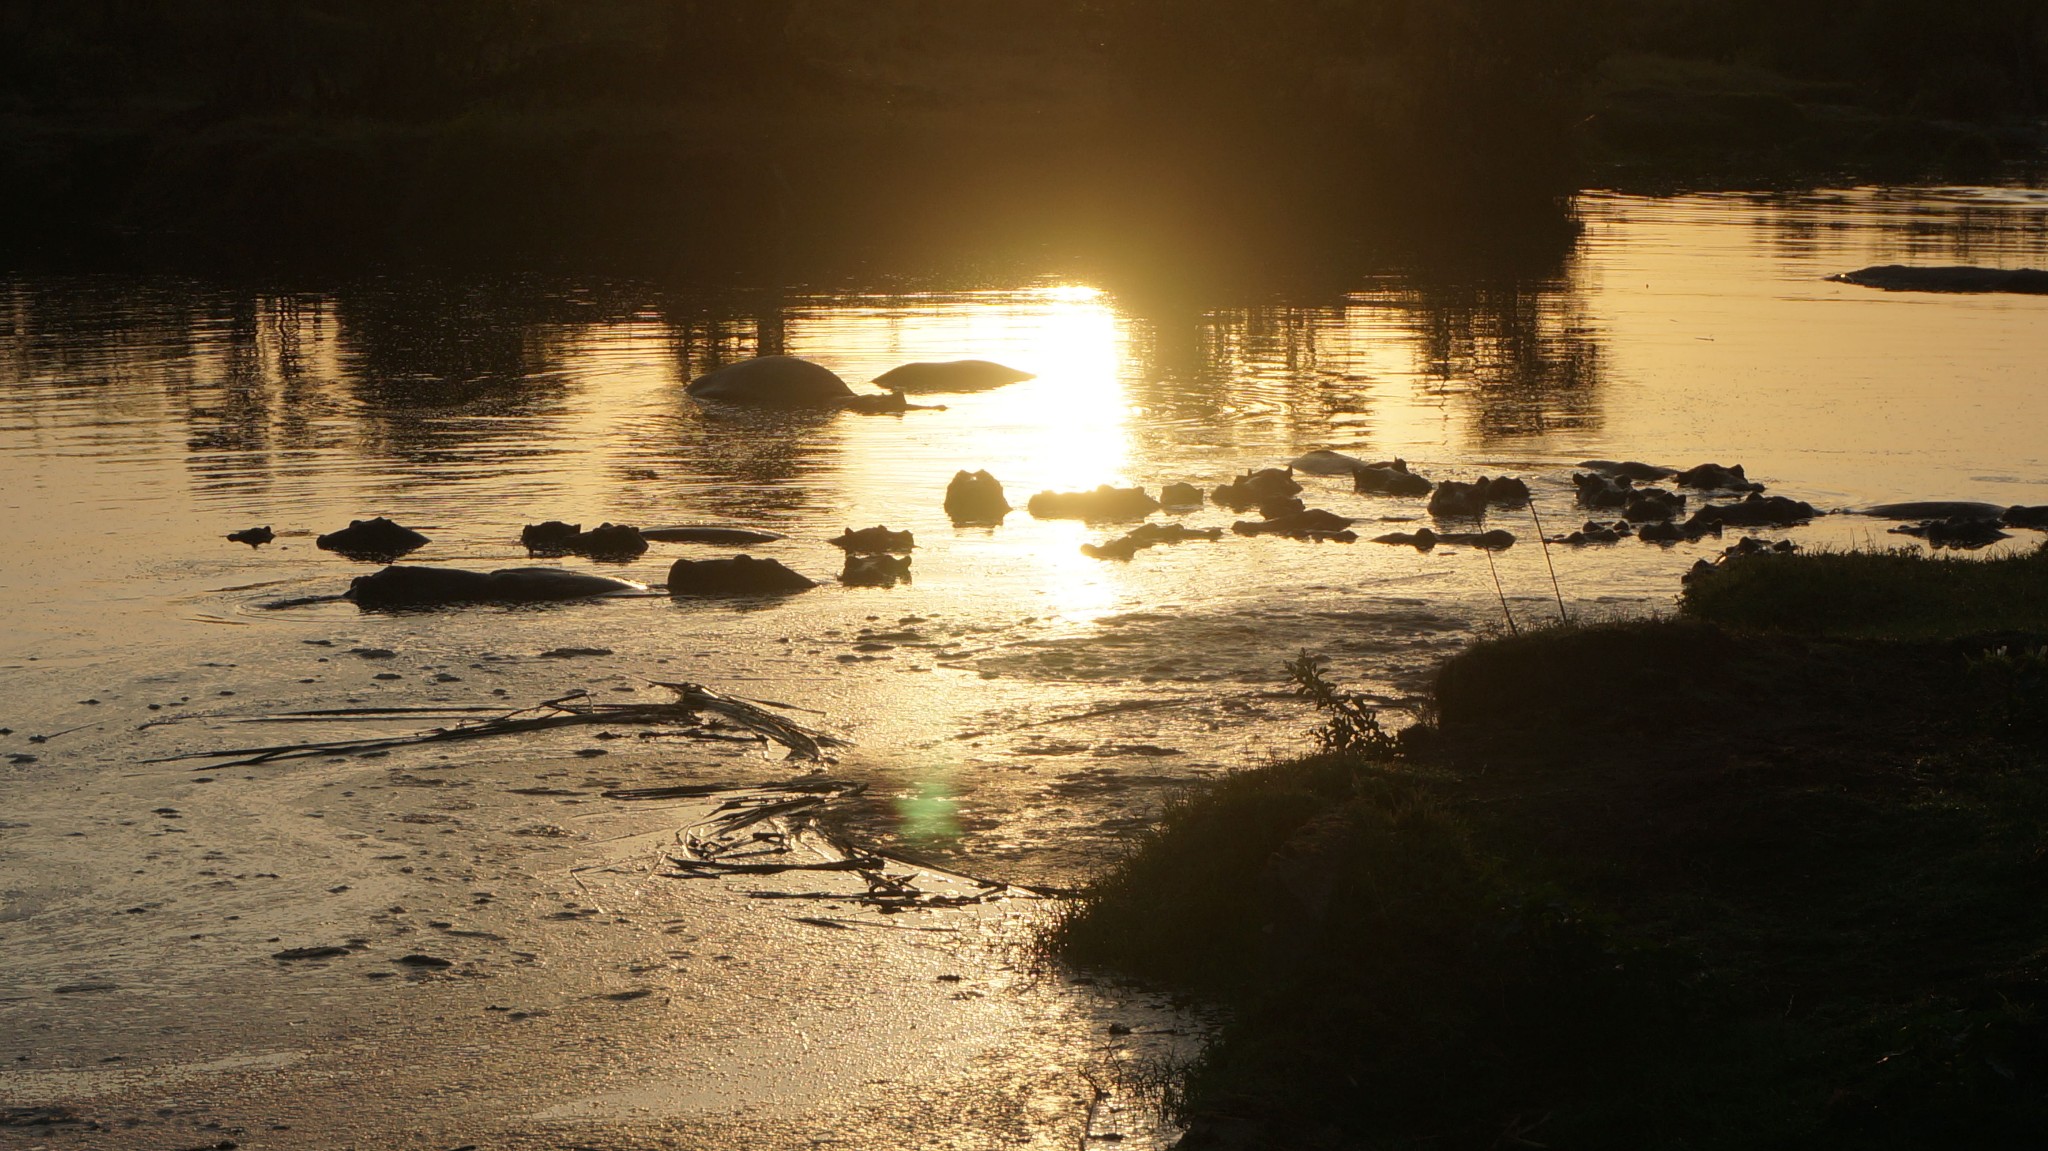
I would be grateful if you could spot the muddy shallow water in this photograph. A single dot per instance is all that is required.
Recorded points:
(1018, 710)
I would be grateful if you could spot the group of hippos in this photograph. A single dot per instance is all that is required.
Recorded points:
(1629, 491)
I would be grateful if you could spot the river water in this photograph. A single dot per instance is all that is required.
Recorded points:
(1019, 709)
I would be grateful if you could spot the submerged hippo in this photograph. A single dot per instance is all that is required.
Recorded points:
(1323, 462)
(1391, 478)
(1934, 510)
(976, 498)
(876, 540)
(1904, 278)
(1146, 536)
(875, 570)
(951, 376)
(701, 534)
(734, 576)
(413, 586)
(786, 382)
(607, 541)
(376, 539)
(1104, 503)
(1252, 489)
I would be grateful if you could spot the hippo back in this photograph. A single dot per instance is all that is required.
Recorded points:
(772, 381)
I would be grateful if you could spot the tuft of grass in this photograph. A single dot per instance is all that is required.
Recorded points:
(1879, 595)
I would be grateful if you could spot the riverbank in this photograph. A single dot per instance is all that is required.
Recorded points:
(1669, 883)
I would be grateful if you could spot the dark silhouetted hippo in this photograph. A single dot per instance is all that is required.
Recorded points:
(2021, 516)
(1423, 539)
(437, 587)
(1671, 532)
(1628, 469)
(1934, 510)
(1180, 496)
(1265, 486)
(1104, 503)
(1145, 536)
(1453, 498)
(1391, 478)
(1594, 532)
(879, 570)
(787, 382)
(704, 534)
(1960, 532)
(950, 376)
(733, 575)
(975, 498)
(253, 536)
(1646, 505)
(873, 541)
(1953, 278)
(1323, 462)
(616, 542)
(1300, 524)
(1714, 477)
(376, 539)
(1756, 511)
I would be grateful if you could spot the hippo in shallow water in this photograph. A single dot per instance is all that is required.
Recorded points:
(608, 541)
(1147, 535)
(1265, 486)
(412, 586)
(975, 498)
(704, 534)
(1953, 278)
(1960, 532)
(1755, 511)
(1104, 503)
(734, 576)
(253, 536)
(874, 570)
(1933, 510)
(876, 540)
(1323, 462)
(1391, 478)
(376, 539)
(1628, 469)
(787, 382)
(951, 376)
(1453, 498)
(1301, 524)
(1714, 477)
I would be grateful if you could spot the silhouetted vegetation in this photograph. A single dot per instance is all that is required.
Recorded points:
(1661, 884)
(779, 134)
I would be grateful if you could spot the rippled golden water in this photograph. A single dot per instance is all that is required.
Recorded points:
(142, 419)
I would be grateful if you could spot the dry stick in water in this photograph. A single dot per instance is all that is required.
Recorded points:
(1545, 541)
(1501, 592)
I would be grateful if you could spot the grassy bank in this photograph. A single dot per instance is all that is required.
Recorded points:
(1680, 883)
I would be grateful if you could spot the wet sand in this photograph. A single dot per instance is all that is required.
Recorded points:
(568, 995)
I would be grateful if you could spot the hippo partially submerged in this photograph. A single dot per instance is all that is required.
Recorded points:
(976, 498)
(1104, 503)
(376, 539)
(413, 586)
(738, 575)
(607, 541)
(1954, 278)
(951, 376)
(786, 382)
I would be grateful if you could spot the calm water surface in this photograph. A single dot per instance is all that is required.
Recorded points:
(142, 419)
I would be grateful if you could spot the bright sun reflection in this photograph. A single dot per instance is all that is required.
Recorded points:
(1066, 429)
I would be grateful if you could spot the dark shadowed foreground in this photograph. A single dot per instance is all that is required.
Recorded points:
(1667, 884)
